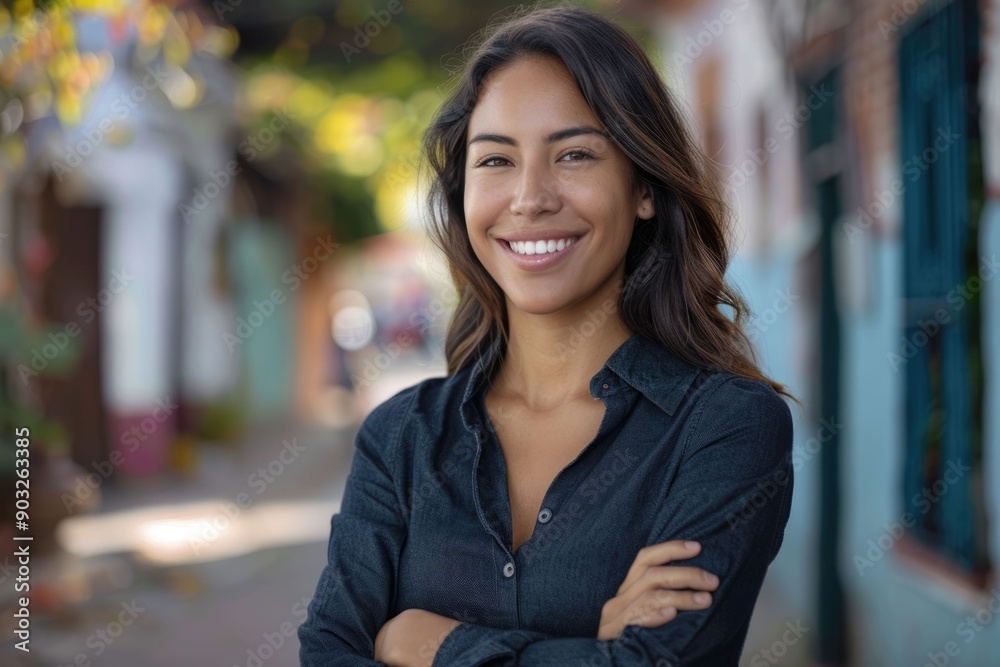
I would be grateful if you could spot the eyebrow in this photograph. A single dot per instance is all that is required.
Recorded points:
(551, 139)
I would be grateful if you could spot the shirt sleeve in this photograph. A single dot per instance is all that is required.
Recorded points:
(732, 493)
(355, 591)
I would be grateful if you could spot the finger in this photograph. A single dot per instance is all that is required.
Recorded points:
(649, 604)
(658, 554)
(664, 577)
(677, 577)
(653, 618)
(614, 628)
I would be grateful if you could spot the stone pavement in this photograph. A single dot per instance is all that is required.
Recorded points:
(125, 609)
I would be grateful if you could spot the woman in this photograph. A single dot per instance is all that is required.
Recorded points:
(600, 409)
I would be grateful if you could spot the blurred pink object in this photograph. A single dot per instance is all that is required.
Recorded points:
(143, 439)
(38, 256)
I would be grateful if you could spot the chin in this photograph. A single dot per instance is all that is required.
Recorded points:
(536, 305)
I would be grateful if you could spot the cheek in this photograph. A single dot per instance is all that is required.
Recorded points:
(480, 203)
(610, 214)
(478, 216)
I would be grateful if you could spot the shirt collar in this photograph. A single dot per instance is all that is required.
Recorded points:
(640, 362)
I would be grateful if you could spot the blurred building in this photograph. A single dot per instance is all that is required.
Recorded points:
(861, 147)
(105, 193)
(161, 218)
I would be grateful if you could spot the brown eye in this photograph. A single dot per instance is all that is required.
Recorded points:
(485, 162)
(578, 155)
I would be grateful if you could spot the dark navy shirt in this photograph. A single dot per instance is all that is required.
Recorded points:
(425, 522)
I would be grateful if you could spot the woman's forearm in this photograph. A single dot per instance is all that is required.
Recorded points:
(412, 638)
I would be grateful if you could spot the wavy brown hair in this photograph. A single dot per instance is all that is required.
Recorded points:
(675, 263)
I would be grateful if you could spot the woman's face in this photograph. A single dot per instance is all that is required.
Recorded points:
(540, 171)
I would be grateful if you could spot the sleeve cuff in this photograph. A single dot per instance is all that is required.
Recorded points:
(470, 645)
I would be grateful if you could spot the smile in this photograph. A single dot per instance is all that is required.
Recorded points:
(540, 254)
(541, 247)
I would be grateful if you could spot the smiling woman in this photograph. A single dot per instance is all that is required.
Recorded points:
(537, 153)
(602, 419)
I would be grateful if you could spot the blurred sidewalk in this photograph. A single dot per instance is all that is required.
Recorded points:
(126, 609)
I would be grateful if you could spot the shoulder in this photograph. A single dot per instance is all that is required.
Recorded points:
(746, 412)
(747, 398)
(429, 399)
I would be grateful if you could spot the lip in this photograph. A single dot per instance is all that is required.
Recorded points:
(540, 262)
(540, 235)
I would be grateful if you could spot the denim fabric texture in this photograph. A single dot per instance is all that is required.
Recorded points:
(425, 522)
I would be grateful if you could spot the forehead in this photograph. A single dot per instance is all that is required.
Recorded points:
(532, 95)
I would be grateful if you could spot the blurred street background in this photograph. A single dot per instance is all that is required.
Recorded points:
(213, 266)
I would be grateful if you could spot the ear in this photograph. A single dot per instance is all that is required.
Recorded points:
(645, 208)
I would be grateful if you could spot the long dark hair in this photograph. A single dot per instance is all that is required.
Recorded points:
(675, 263)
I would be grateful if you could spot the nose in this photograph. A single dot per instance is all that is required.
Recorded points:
(537, 192)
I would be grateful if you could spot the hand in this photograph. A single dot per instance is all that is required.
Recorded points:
(412, 638)
(651, 595)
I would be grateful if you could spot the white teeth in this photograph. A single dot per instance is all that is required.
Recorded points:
(539, 247)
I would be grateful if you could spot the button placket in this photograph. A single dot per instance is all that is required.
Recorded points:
(568, 478)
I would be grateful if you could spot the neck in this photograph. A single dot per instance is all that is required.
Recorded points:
(550, 359)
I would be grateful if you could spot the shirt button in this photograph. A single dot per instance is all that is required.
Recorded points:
(545, 515)
(605, 385)
(508, 570)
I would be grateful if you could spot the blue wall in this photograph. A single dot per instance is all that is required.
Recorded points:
(899, 615)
